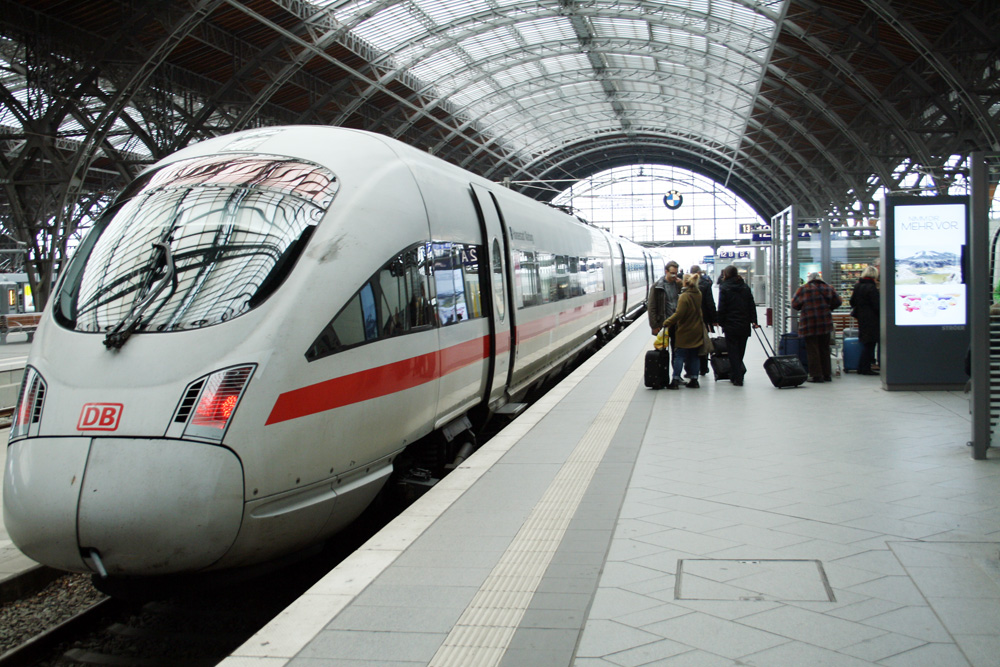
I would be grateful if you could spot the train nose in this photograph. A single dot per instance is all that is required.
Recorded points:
(147, 506)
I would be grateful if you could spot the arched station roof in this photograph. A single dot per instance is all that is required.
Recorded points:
(815, 102)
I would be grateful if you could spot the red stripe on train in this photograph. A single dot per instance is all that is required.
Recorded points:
(376, 382)
(398, 376)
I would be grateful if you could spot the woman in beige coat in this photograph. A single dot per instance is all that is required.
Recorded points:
(689, 334)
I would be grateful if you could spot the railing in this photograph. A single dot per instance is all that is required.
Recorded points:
(18, 323)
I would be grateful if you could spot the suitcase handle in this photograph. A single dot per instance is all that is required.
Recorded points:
(768, 349)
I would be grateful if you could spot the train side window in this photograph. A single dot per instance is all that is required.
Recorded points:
(596, 269)
(472, 271)
(450, 284)
(405, 305)
(393, 302)
(575, 285)
(547, 277)
(499, 298)
(357, 323)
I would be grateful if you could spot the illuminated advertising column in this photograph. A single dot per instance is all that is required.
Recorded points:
(923, 295)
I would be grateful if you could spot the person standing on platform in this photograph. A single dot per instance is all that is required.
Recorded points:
(708, 312)
(662, 301)
(687, 333)
(865, 308)
(737, 314)
(816, 301)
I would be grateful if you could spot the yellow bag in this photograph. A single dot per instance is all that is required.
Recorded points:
(662, 340)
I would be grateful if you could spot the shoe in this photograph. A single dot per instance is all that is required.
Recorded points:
(827, 379)
(815, 380)
(737, 383)
(693, 384)
(867, 373)
(674, 384)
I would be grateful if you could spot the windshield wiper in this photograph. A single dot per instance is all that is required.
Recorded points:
(162, 261)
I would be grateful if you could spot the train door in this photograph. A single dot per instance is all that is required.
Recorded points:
(501, 311)
(624, 278)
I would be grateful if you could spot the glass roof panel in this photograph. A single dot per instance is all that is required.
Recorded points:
(620, 28)
(516, 75)
(439, 64)
(391, 27)
(547, 29)
(446, 11)
(489, 43)
(529, 75)
(569, 62)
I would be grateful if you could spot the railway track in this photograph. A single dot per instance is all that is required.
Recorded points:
(197, 627)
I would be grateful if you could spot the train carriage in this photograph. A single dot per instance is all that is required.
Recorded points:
(240, 351)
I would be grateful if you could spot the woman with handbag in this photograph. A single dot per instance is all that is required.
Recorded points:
(689, 334)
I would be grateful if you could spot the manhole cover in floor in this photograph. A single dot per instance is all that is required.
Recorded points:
(774, 580)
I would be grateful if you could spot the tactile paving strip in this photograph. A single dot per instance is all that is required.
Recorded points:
(484, 631)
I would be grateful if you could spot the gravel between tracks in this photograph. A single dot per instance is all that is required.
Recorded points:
(66, 596)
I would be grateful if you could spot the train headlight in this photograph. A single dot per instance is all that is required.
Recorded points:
(209, 403)
(30, 401)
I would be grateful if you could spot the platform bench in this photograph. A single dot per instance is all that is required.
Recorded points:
(18, 323)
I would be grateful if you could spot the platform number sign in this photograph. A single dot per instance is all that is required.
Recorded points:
(683, 230)
(747, 228)
(673, 200)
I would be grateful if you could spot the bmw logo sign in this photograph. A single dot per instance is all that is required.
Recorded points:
(673, 200)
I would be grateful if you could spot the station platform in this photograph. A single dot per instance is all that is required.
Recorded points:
(16, 569)
(831, 524)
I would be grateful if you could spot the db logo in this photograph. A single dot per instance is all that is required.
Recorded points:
(100, 417)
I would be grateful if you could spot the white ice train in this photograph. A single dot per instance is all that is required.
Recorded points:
(263, 323)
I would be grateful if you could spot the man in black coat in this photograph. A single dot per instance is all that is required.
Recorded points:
(737, 313)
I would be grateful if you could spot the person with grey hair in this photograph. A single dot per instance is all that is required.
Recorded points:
(816, 301)
(663, 296)
(865, 308)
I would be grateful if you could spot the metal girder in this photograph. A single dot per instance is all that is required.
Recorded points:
(324, 56)
(845, 96)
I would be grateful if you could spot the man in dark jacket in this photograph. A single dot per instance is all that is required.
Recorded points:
(865, 307)
(816, 301)
(737, 313)
(662, 301)
(708, 313)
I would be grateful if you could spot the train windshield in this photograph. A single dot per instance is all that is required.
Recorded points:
(193, 244)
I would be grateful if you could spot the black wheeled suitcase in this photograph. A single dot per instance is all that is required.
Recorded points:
(657, 374)
(784, 370)
(721, 366)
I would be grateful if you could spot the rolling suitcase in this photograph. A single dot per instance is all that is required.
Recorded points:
(783, 370)
(721, 366)
(852, 354)
(793, 344)
(657, 372)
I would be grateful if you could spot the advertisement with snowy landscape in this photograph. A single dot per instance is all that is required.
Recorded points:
(928, 252)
